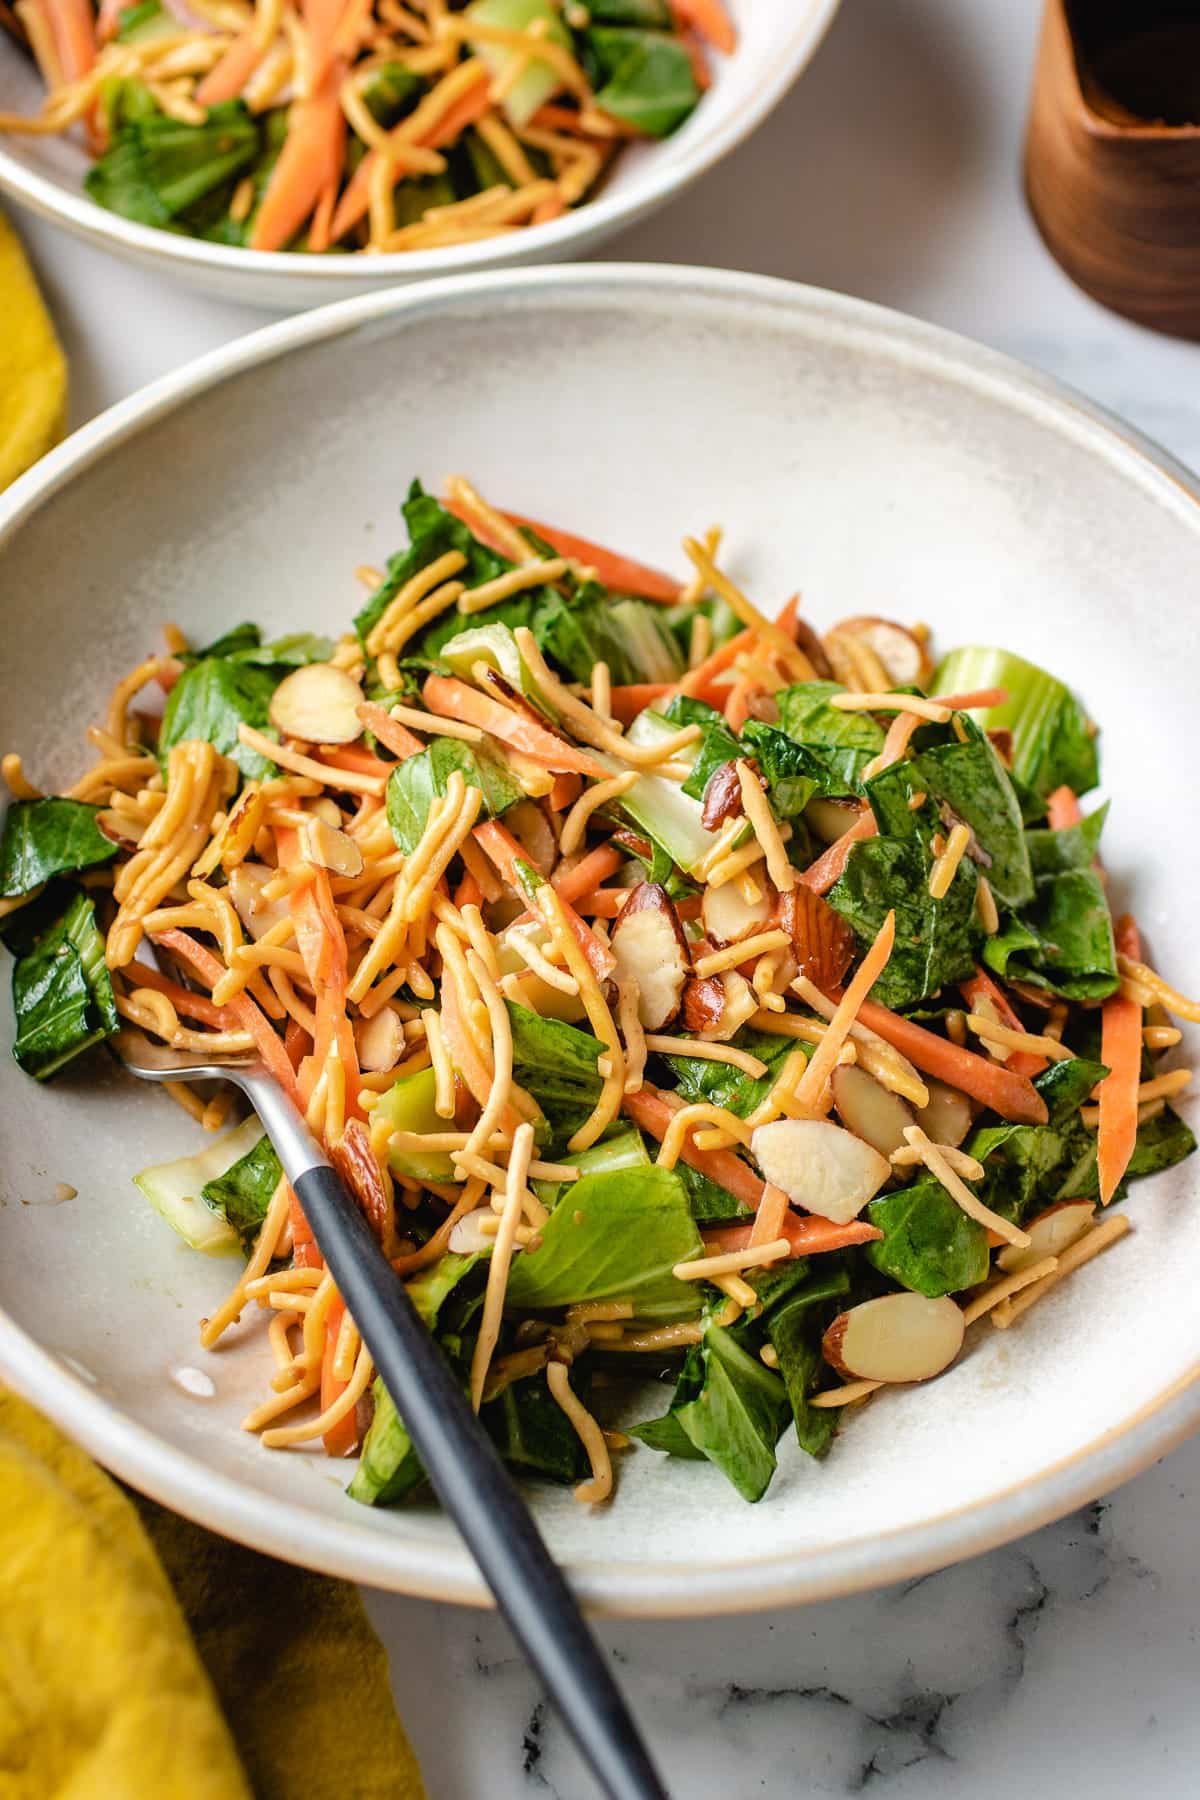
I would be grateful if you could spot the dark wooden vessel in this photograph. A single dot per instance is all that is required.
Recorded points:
(1112, 159)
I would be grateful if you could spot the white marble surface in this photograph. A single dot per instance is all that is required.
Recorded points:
(1069, 1658)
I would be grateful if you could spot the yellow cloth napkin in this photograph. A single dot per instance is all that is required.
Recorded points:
(33, 370)
(105, 1692)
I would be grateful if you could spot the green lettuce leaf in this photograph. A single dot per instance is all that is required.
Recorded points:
(845, 741)
(614, 1236)
(414, 784)
(62, 993)
(1050, 852)
(929, 1245)
(935, 939)
(389, 1468)
(738, 1414)
(210, 700)
(645, 77)
(793, 772)
(795, 1327)
(44, 838)
(556, 1063)
(971, 781)
(158, 168)
(243, 1193)
(532, 1432)
(1063, 941)
(719, 1083)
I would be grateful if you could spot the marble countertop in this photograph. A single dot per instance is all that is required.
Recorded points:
(892, 172)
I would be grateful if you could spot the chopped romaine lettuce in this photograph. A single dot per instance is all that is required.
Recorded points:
(210, 700)
(414, 784)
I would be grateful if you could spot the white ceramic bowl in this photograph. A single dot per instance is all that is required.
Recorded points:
(777, 39)
(875, 463)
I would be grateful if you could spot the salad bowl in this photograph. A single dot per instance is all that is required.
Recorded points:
(776, 41)
(873, 463)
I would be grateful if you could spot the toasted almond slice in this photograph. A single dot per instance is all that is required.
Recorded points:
(899, 1337)
(867, 1109)
(330, 848)
(741, 1004)
(652, 953)
(947, 1118)
(1052, 1232)
(318, 704)
(820, 1166)
(822, 942)
(728, 916)
(902, 655)
(380, 1040)
(246, 883)
(722, 797)
(703, 1003)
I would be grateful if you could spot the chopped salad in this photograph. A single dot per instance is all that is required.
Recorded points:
(686, 995)
(376, 125)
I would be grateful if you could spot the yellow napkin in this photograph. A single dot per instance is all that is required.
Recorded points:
(33, 371)
(105, 1693)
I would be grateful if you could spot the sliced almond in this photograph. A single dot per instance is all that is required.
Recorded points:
(899, 1337)
(831, 819)
(380, 1040)
(318, 704)
(246, 883)
(466, 1239)
(903, 656)
(808, 641)
(739, 1006)
(822, 942)
(703, 1003)
(728, 917)
(947, 1118)
(354, 1160)
(652, 953)
(330, 848)
(820, 1167)
(328, 809)
(722, 797)
(531, 828)
(867, 1109)
(1052, 1232)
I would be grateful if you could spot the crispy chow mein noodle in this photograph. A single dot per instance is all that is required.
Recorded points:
(650, 1031)
(361, 125)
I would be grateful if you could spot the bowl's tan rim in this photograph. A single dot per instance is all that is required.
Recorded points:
(418, 1566)
(559, 238)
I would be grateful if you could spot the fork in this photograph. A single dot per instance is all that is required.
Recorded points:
(459, 1457)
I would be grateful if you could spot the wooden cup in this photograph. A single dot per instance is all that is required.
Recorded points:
(1112, 165)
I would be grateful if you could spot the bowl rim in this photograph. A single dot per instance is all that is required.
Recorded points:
(83, 217)
(644, 1588)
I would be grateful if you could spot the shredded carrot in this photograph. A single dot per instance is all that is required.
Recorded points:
(226, 79)
(821, 875)
(628, 701)
(566, 790)
(650, 1110)
(454, 699)
(613, 569)
(710, 19)
(399, 739)
(587, 874)
(981, 987)
(310, 160)
(188, 1004)
(243, 1008)
(1062, 809)
(723, 657)
(356, 198)
(807, 1235)
(1121, 1053)
(1012, 1096)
